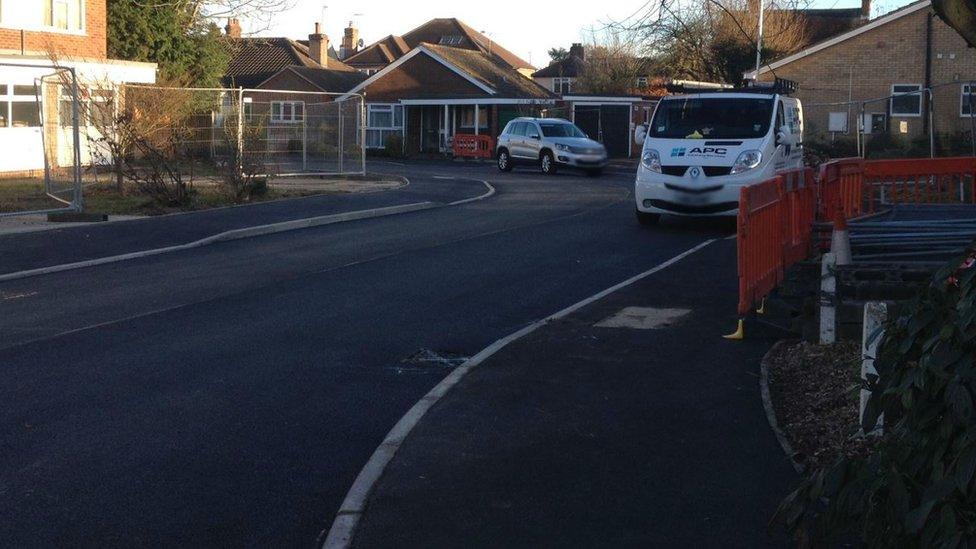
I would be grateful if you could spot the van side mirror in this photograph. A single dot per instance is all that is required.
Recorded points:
(640, 134)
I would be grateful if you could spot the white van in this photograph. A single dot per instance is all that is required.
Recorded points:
(700, 149)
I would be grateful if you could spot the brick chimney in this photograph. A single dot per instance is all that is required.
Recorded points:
(866, 9)
(233, 28)
(318, 46)
(350, 41)
(576, 50)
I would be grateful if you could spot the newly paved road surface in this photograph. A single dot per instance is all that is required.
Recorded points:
(229, 395)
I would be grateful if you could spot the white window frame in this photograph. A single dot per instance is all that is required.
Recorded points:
(10, 98)
(280, 118)
(30, 16)
(557, 85)
(965, 91)
(891, 102)
(376, 135)
(643, 81)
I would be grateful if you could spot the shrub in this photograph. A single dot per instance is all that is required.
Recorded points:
(393, 147)
(919, 488)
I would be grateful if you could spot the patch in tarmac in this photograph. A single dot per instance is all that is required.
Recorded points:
(426, 360)
(643, 318)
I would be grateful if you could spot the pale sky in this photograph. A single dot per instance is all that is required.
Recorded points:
(526, 27)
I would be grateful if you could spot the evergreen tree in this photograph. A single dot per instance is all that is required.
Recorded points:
(188, 49)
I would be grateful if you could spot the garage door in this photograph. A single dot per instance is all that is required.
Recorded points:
(608, 124)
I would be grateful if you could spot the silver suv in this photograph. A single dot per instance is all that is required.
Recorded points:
(549, 143)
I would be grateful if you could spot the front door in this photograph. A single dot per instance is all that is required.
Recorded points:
(430, 130)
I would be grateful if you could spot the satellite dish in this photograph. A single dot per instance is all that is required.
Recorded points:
(361, 43)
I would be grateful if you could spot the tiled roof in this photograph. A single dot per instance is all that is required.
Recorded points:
(382, 52)
(254, 60)
(494, 73)
(443, 32)
(331, 80)
(571, 67)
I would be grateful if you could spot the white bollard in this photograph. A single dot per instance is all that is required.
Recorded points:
(828, 293)
(875, 316)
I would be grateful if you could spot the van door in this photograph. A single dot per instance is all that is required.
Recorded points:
(782, 153)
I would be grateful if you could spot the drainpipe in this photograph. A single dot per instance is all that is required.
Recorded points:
(928, 67)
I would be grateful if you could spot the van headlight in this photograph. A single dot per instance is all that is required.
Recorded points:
(748, 160)
(651, 160)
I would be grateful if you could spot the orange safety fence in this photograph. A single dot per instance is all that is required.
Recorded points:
(774, 232)
(841, 187)
(474, 146)
(861, 187)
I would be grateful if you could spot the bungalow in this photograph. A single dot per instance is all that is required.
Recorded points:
(435, 91)
(33, 37)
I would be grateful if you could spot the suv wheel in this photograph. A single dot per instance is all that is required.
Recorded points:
(547, 163)
(504, 161)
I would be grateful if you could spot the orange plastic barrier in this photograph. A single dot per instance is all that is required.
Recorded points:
(860, 187)
(774, 232)
(474, 146)
(842, 187)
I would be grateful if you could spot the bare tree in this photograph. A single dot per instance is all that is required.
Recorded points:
(258, 12)
(714, 39)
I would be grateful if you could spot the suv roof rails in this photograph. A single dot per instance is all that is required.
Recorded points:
(780, 86)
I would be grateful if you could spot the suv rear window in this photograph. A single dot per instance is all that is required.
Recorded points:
(713, 118)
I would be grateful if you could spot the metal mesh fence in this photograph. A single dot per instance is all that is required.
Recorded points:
(303, 132)
(41, 160)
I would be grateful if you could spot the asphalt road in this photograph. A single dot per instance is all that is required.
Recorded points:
(229, 395)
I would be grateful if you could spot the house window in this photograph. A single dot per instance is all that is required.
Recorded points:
(451, 40)
(562, 85)
(287, 112)
(19, 107)
(642, 82)
(968, 100)
(66, 15)
(467, 117)
(382, 121)
(906, 105)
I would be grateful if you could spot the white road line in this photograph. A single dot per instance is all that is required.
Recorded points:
(343, 528)
(249, 232)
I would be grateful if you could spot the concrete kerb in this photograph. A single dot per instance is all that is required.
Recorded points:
(248, 232)
(341, 533)
(767, 402)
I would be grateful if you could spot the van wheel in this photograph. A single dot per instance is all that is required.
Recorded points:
(504, 161)
(647, 219)
(547, 163)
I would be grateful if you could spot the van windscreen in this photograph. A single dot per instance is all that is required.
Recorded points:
(712, 118)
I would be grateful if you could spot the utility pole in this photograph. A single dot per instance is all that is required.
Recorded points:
(759, 41)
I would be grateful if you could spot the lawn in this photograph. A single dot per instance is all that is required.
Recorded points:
(28, 194)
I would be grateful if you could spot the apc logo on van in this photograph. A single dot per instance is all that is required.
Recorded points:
(708, 151)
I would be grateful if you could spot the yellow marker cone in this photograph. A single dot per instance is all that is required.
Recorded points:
(740, 332)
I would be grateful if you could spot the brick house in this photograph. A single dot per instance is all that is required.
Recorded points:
(33, 35)
(905, 51)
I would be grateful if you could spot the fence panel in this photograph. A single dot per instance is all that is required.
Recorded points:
(303, 132)
(40, 160)
(801, 193)
(919, 181)
(761, 240)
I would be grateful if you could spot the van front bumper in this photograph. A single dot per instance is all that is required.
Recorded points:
(705, 198)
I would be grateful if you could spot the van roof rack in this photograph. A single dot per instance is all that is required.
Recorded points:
(780, 86)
